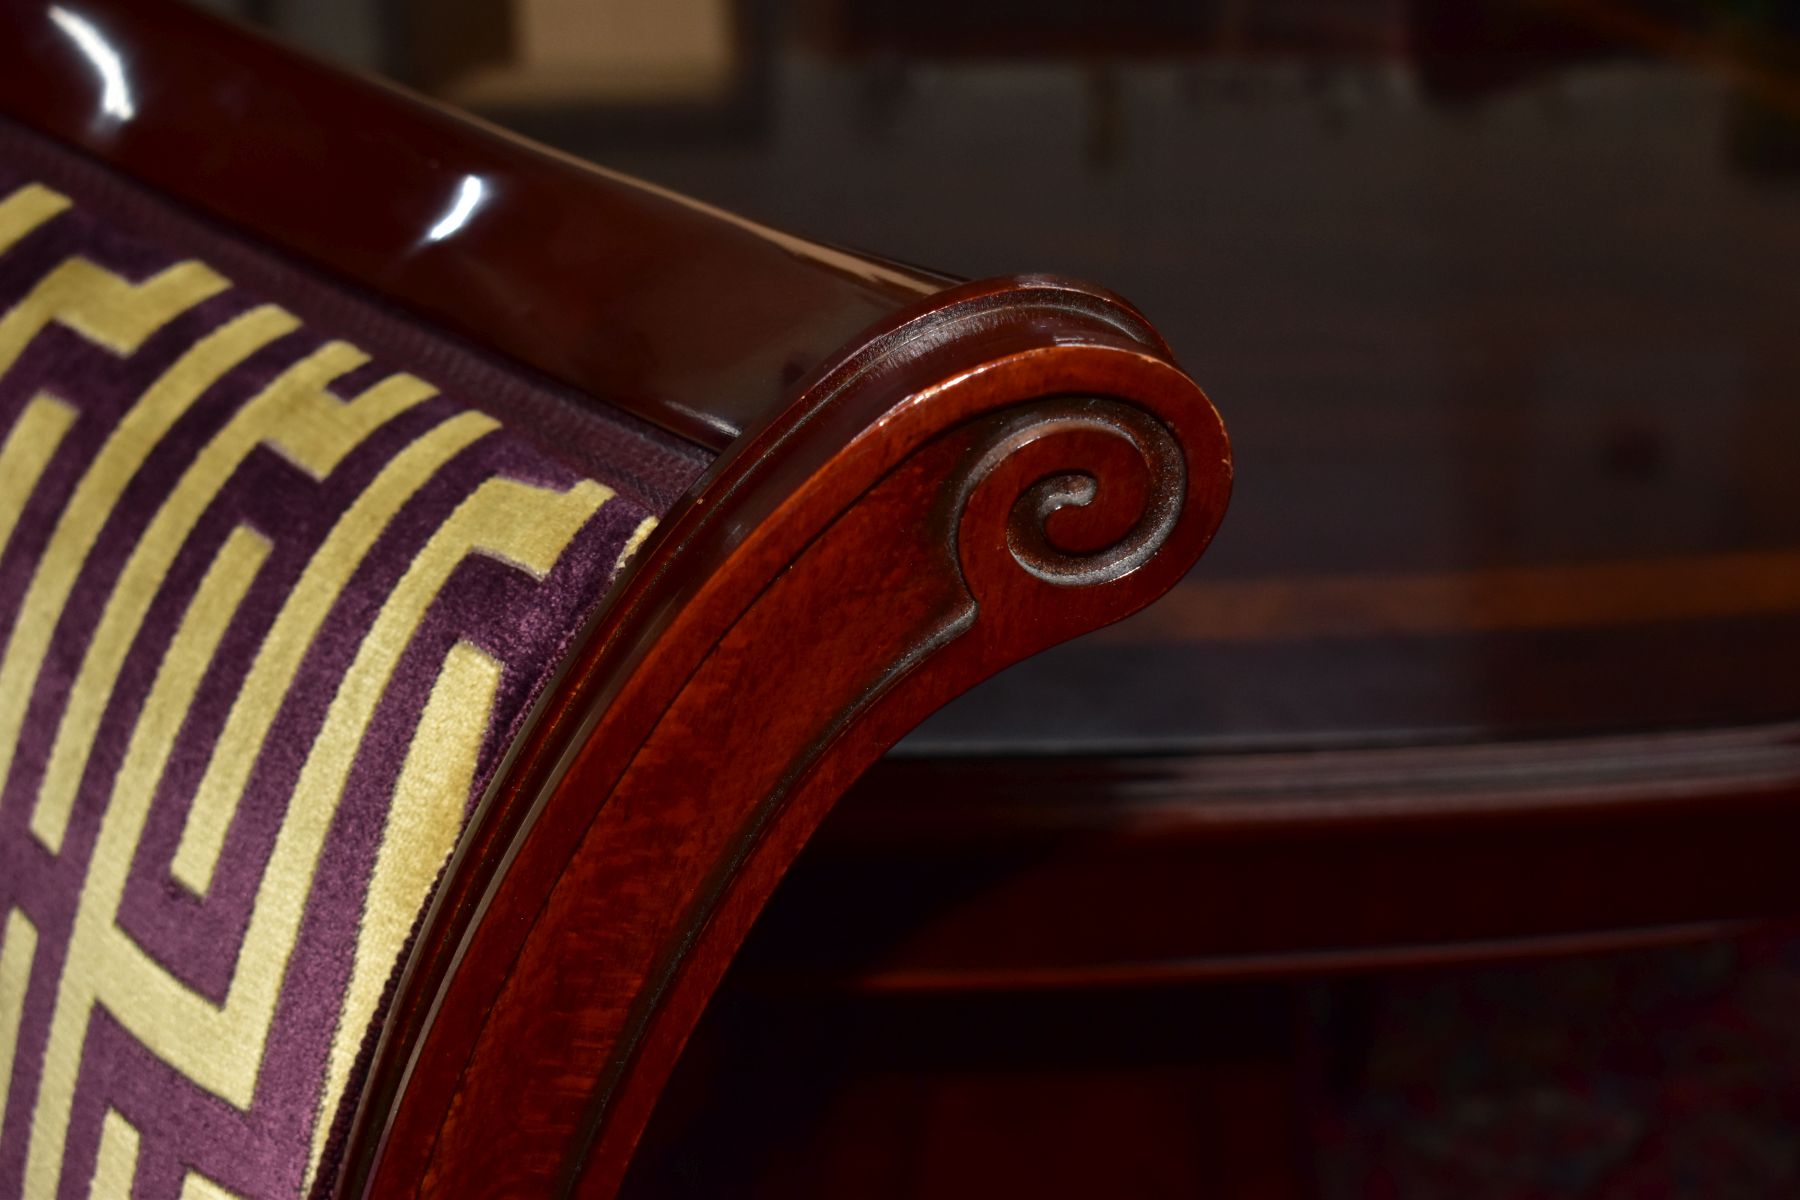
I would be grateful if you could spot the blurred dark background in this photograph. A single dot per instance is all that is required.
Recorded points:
(1498, 299)
(1501, 302)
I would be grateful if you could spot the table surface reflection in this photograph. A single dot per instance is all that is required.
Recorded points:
(1501, 304)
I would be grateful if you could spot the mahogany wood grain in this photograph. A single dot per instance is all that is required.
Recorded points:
(733, 697)
(693, 318)
(984, 471)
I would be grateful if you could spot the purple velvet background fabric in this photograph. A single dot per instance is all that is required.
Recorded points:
(522, 622)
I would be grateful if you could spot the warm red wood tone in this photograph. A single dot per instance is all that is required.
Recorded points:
(1485, 505)
(1019, 874)
(987, 470)
(891, 543)
(690, 317)
(1613, 560)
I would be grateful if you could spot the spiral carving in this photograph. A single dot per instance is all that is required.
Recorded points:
(1091, 489)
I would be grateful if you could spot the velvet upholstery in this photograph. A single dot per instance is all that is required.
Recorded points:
(272, 608)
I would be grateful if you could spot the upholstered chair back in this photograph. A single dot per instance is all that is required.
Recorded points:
(443, 586)
(280, 577)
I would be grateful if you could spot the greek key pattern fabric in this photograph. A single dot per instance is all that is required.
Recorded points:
(270, 614)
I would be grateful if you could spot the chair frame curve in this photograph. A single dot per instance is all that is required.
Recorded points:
(917, 484)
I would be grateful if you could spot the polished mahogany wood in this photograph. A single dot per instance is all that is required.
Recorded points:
(996, 455)
(691, 317)
(986, 470)
(1506, 330)
(1020, 874)
(1491, 659)
(1526, 479)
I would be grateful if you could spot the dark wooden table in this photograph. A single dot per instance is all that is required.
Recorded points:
(1497, 655)
(1500, 642)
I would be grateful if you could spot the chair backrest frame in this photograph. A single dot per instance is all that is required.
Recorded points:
(917, 483)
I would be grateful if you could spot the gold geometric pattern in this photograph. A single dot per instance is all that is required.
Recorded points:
(118, 781)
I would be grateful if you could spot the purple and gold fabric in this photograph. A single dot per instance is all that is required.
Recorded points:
(271, 611)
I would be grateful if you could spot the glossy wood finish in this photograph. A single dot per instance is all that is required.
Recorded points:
(1505, 327)
(943, 876)
(755, 663)
(695, 319)
(1499, 305)
(984, 472)
(1492, 660)
(1055, 971)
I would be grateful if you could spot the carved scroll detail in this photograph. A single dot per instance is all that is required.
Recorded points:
(1092, 489)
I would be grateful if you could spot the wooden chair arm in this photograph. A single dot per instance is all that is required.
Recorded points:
(917, 483)
(1007, 469)
(695, 319)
